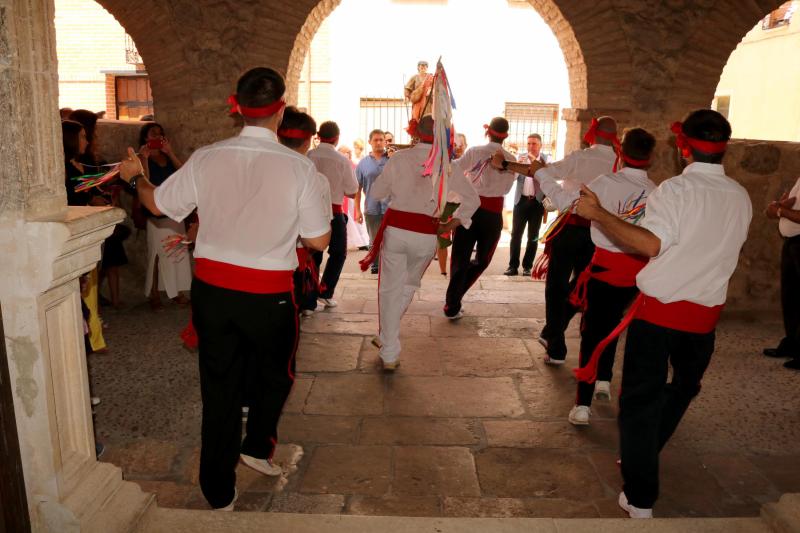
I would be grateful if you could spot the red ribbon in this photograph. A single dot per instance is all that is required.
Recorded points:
(685, 144)
(494, 133)
(254, 112)
(412, 130)
(594, 132)
(635, 162)
(289, 133)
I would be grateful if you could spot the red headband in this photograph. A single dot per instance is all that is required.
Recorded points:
(685, 144)
(635, 162)
(295, 134)
(494, 133)
(594, 132)
(412, 130)
(254, 112)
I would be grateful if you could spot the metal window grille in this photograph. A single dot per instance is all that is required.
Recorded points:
(386, 114)
(526, 118)
(132, 56)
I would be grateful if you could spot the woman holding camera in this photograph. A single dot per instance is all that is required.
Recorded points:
(170, 274)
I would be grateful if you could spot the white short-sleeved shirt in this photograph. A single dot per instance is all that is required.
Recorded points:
(701, 217)
(337, 168)
(407, 189)
(786, 226)
(254, 197)
(576, 169)
(492, 182)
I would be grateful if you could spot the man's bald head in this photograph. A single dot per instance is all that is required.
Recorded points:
(425, 126)
(607, 125)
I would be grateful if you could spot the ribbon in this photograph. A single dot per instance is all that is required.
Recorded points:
(594, 132)
(635, 162)
(412, 131)
(254, 112)
(685, 143)
(494, 133)
(289, 133)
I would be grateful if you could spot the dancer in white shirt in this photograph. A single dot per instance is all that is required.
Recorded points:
(406, 240)
(254, 197)
(342, 179)
(693, 231)
(483, 234)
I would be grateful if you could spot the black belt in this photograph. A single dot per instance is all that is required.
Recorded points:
(528, 197)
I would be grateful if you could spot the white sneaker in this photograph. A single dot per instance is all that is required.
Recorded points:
(376, 342)
(391, 367)
(542, 341)
(456, 316)
(229, 507)
(579, 415)
(307, 312)
(328, 302)
(633, 512)
(95, 400)
(553, 362)
(602, 390)
(264, 466)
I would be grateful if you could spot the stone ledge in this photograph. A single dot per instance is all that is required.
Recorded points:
(183, 521)
(783, 516)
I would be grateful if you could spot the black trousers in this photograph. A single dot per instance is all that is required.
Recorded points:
(527, 212)
(570, 253)
(337, 254)
(790, 288)
(649, 407)
(605, 306)
(482, 235)
(247, 344)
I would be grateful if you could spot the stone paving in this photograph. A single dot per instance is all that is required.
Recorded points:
(472, 424)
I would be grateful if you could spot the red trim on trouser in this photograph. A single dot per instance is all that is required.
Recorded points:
(244, 279)
(492, 203)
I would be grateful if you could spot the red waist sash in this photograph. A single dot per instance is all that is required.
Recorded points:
(575, 220)
(682, 316)
(620, 271)
(244, 279)
(337, 209)
(416, 222)
(492, 203)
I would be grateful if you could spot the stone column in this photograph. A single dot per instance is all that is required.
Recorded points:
(44, 248)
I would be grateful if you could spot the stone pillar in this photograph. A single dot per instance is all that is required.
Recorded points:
(44, 248)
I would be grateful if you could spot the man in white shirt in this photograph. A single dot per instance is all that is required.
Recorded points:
(343, 183)
(693, 231)
(608, 285)
(254, 197)
(571, 248)
(528, 211)
(406, 240)
(787, 212)
(484, 232)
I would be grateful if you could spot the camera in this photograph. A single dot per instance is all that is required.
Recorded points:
(155, 144)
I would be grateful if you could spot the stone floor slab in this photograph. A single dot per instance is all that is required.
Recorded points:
(349, 394)
(483, 357)
(427, 470)
(295, 502)
(362, 324)
(297, 398)
(420, 431)
(419, 356)
(395, 506)
(327, 353)
(318, 429)
(349, 470)
(550, 434)
(453, 397)
(519, 507)
(144, 459)
(508, 472)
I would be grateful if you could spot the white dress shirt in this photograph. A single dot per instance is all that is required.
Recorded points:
(337, 168)
(528, 185)
(701, 218)
(578, 168)
(253, 195)
(492, 182)
(786, 226)
(407, 189)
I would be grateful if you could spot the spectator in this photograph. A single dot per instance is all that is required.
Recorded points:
(170, 274)
(367, 172)
(358, 150)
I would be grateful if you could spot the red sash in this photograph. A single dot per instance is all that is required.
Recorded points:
(416, 222)
(244, 279)
(575, 220)
(620, 271)
(337, 209)
(492, 203)
(682, 316)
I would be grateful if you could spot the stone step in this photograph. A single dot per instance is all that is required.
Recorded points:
(186, 521)
(784, 515)
(125, 512)
(104, 480)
